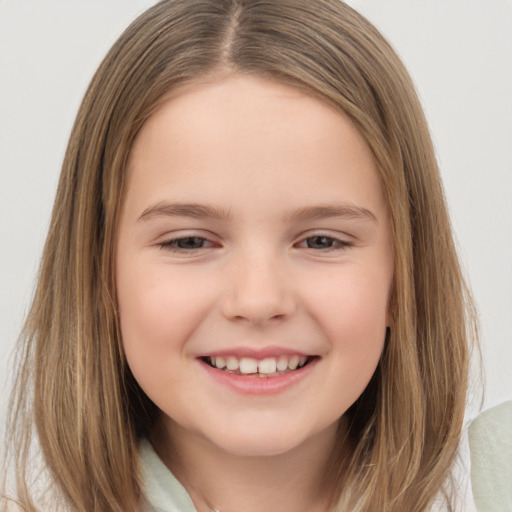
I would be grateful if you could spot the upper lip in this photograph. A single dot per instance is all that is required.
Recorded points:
(255, 353)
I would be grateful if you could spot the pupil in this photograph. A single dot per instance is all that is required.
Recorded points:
(320, 242)
(191, 242)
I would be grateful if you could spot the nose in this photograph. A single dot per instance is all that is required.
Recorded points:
(260, 292)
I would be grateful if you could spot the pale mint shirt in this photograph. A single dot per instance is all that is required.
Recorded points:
(491, 471)
(163, 492)
(490, 439)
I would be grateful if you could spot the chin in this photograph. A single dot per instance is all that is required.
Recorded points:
(262, 447)
(261, 440)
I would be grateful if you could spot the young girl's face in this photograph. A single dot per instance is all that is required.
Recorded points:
(254, 265)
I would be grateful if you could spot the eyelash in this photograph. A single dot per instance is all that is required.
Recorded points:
(336, 243)
(173, 244)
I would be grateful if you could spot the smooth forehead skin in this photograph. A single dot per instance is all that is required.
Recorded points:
(288, 251)
(206, 118)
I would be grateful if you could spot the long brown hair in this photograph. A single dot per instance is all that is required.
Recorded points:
(73, 383)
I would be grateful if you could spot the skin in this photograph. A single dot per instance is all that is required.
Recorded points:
(259, 275)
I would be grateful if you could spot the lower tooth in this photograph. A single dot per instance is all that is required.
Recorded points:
(257, 374)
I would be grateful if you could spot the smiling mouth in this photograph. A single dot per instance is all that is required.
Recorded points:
(268, 367)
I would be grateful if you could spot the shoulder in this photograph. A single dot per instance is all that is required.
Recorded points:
(490, 439)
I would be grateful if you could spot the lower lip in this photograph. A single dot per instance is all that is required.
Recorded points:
(253, 385)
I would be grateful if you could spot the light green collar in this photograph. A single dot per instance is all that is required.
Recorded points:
(163, 491)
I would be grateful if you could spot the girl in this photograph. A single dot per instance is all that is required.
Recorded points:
(249, 298)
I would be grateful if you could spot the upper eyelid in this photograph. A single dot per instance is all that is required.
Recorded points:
(213, 238)
(185, 233)
(339, 241)
(328, 233)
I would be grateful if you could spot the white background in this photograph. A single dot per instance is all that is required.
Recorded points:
(459, 53)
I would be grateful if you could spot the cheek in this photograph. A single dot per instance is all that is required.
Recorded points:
(159, 311)
(352, 312)
(351, 304)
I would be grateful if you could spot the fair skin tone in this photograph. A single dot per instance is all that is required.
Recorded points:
(253, 234)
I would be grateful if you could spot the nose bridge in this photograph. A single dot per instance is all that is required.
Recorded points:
(259, 289)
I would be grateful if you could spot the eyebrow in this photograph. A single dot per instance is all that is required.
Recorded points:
(194, 210)
(201, 211)
(328, 211)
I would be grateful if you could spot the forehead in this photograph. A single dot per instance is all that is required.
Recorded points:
(254, 134)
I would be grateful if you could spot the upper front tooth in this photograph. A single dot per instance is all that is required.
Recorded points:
(293, 362)
(267, 365)
(219, 362)
(282, 363)
(248, 365)
(232, 363)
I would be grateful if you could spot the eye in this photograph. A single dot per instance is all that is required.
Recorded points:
(323, 242)
(187, 243)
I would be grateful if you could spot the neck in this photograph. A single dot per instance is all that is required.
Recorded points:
(215, 479)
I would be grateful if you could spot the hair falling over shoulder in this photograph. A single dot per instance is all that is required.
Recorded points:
(75, 402)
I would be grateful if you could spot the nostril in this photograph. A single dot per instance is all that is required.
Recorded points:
(258, 297)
